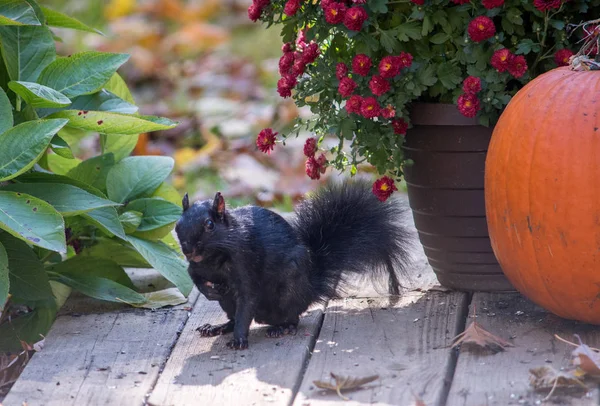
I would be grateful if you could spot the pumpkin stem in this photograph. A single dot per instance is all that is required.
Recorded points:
(582, 61)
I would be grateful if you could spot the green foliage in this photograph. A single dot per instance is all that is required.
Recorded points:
(66, 223)
(439, 52)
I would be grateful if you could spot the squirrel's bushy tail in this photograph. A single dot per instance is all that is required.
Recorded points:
(349, 231)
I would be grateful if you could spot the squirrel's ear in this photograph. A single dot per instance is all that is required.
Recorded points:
(219, 205)
(185, 202)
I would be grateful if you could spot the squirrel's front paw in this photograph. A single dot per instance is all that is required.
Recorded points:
(238, 344)
(209, 330)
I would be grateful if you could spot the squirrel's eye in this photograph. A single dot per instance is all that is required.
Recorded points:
(209, 224)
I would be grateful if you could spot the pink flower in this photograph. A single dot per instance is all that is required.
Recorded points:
(481, 28)
(353, 104)
(335, 12)
(310, 147)
(388, 112)
(355, 18)
(383, 188)
(341, 71)
(266, 140)
(468, 105)
(400, 126)
(361, 64)
(472, 85)
(346, 87)
(370, 108)
(379, 85)
(291, 7)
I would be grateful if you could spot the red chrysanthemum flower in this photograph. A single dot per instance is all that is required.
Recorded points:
(285, 63)
(353, 104)
(325, 3)
(400, 126)
(266, 140)
(346, 87)
(322, 162)
(418, 2)
(299, 65)
(361, 64)
(379, 85)
(254, 12)
(481, 28)
(291, 7)
(310, 147)
(460, 1)
(370, 108)
(472, 85)
(341, 70)
(311, 52)
(544, 5)
(312, 168)
(287, 47)
(383, 188)
(388, 112)
(517, 66)
(389, 66)
(405, 60)
(335, 12)
(490, 4)
(468, 105)
(561, 57)
(501, 59)
(355, 17)
(285, 85)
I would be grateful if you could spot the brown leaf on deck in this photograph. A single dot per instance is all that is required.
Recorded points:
(477, 335)
(543, 378)
(344, 382)
(585, 358)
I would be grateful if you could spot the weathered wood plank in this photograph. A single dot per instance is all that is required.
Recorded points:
(503, 378)
(203, 371)
(406, 344)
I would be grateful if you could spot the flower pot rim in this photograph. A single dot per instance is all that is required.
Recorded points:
(422, 113)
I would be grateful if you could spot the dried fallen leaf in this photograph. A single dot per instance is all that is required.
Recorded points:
(477, 335)
(586, 361)
(344, 382)
(546, 377)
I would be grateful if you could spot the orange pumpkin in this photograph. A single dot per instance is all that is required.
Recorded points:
(542, 192)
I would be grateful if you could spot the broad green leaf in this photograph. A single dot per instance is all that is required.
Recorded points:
(449, 75)
(32, 220)
(112, 249)
(4, 79)
(6, 115)
(156, 212)
(60, 165)
(93, 266)
(81, 73)
(131, 220)
(103, 101)
(94, 171)
(17, 12)
(169, 193)
(29, 327)
(99, 288)
(61, 293)
(38, 11)
(379, 6)
(66, 199)
(427, 75)
(136, 176)
(106, 219)
(26, 51)
(41, 177)
(113, 123)
(120, 146)
(172, 243)
(160, 298)
(388, 42)
(4, 280)
(117, 85)
(22, 146)
(60, 147)
(439, 38)
(39, 96)
(28, 280)
(166, 261)
(56, 19)
(408, 31)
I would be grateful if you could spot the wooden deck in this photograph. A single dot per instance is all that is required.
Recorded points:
(108, 354)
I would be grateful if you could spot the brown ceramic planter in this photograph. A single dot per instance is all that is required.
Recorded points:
(445, 191)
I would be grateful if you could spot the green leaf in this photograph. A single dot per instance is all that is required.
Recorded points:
(167, 192)
(172, 243)
(81, 73)
(449, 75)
(136, 176)
(123, 255)
(94, 171)
(514, 16)
(427, 26)
(66, 199)
(557, 24)
(439, 38)
(388, 42)
(166, 261)
(56, 19)
(39, 96)
(427, 75)
(102, 100)
(17, 12)
(41, 177)
(93, 266)
(38, 11)
(6, 115)
(131, 220)
(106, 219)
(116, 123)
(99, 288)
(28, 280)
(60, 165)
(527, 46)
(117, 86)
(32, 220)
(347, 128)
(160, 298)
(156, 213)
(60, 147)
(29, 327)
(4, 280)
(22, 146)
(379, 6)
(26, 51)
(409, 31)
(118, 145)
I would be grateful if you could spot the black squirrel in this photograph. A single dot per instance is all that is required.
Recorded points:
(261, 267)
